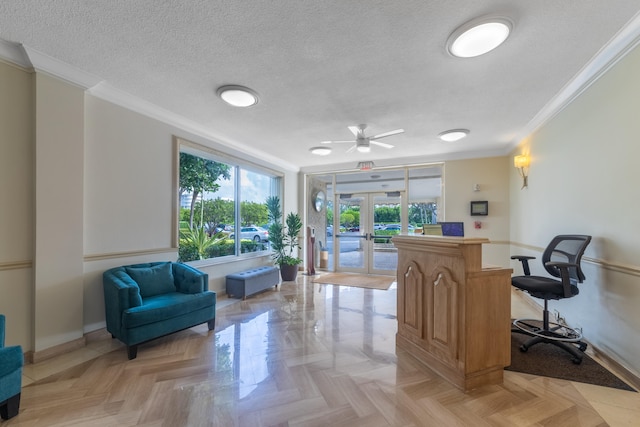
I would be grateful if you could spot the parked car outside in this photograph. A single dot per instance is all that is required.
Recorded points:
(397, 227)
(255, 233)
(329, 230)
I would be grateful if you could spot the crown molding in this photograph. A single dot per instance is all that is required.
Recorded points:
(14, 54)
(618, 47)
(44, 63)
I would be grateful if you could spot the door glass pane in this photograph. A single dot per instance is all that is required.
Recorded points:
(350, 241)
(386, 214)
(329, 228)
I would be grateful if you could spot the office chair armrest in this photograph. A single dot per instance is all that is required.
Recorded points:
(525, 262)
(564, 275)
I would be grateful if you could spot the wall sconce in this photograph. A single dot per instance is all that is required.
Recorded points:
(521, 162)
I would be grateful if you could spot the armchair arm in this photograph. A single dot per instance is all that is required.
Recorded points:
(564, 275)
(120, 293)
(11, 359)
(525, 263)
(189, 280)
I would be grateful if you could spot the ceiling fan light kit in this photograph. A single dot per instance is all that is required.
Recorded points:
(363, 148)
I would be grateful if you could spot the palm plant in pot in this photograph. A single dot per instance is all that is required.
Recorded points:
(284, 239)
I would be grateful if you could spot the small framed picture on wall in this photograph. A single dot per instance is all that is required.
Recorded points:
(480, 208)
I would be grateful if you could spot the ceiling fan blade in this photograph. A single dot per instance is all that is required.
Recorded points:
(337, 142)
(355, 130)
(353, 147)
(382, 135)
(381, 144)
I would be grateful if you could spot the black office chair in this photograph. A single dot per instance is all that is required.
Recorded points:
(561, 259)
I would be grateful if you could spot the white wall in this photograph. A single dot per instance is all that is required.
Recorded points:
(582, 180)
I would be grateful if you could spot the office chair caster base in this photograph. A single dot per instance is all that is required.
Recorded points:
(554, 331)
(561, 336)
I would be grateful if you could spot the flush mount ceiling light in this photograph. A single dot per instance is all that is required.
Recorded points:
(453, 134)
(238, 96)
(478, 36)
(320, 151)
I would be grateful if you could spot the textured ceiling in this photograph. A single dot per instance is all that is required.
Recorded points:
(320, 66)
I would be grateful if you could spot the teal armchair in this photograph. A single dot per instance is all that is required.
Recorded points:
(11, 362)
(147, 301)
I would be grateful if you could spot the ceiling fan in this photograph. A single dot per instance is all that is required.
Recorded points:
(363, 143)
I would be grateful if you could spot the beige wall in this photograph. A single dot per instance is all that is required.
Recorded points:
(582, 180)
(59, 142)
(17, 203)
(492, 177)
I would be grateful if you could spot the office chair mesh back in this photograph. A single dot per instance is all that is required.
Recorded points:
(566, 248)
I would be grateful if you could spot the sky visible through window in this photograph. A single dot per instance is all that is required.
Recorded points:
(255, 187)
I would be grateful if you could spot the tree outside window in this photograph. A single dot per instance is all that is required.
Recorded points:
(220, 215)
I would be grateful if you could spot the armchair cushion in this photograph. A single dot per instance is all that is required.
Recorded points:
(153, 280)
(166, 306)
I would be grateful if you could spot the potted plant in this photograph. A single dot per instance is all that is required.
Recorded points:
(284, 239)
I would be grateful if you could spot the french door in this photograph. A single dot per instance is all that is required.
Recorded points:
(362, 245)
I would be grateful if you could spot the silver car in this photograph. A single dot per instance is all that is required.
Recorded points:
(255, 233)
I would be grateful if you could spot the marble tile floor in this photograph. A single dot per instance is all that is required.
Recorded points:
(305, 354)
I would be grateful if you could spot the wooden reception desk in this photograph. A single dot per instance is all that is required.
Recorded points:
(453, 314)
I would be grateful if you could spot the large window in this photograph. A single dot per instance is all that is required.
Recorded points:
(222, 204)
